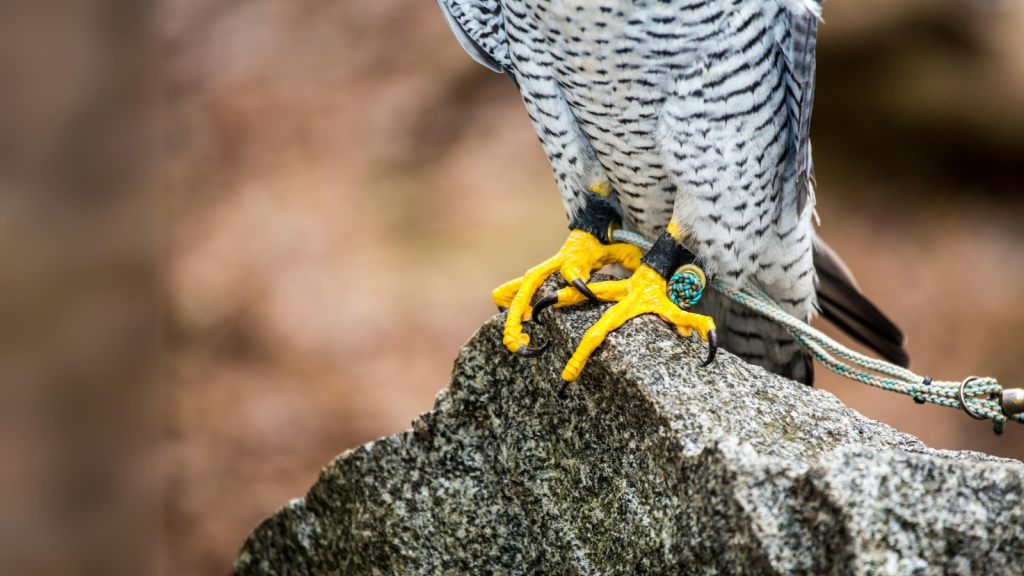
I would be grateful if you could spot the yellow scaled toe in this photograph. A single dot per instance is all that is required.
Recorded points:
(643, 293)
(504, 294)
(626, 254)
(581, 255)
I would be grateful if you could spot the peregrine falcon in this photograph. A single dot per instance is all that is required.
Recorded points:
(686, 121)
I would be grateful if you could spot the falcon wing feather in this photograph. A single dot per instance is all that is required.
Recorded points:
(798, 47)
(480, 28)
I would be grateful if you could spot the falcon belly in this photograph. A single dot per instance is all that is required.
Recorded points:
(687, 122)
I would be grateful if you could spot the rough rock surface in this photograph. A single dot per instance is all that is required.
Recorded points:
(652, 464)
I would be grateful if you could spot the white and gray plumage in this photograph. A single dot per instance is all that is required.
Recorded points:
(694, 111)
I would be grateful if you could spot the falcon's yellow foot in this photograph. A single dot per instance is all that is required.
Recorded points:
(581, 255)
(643, 293)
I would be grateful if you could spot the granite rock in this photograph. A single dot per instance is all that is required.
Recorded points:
(652, 464)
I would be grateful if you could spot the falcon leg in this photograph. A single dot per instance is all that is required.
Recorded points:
(587, 249)
(643, 293)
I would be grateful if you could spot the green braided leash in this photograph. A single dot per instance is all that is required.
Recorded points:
(980, 398)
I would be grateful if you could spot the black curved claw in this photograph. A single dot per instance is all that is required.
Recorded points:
(563, 392)
(712, 347)
(545, 302)
(532, 351)
(580, 285)
(501, 309)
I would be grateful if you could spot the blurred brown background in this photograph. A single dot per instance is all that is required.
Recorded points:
(79, 288)
(340, 187)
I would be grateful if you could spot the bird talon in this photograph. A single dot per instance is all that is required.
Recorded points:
(545, 302)
(532, 351)
(643, 293)
(581, 255)
(580, 285)
(563, 392)
(712, 347)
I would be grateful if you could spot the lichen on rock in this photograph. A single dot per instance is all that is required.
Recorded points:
(651, 464)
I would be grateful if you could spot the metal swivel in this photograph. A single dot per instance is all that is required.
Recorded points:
(1012, 401)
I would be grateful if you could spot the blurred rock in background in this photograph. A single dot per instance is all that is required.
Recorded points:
(344, 187)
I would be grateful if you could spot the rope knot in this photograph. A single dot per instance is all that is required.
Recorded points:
(686, 286)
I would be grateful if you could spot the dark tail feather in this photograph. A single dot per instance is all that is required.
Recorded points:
(842, 304)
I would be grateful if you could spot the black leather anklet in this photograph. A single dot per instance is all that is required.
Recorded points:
(667, 255)
(596, 217)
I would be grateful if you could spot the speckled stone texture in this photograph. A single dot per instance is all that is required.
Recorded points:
(651, 465)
